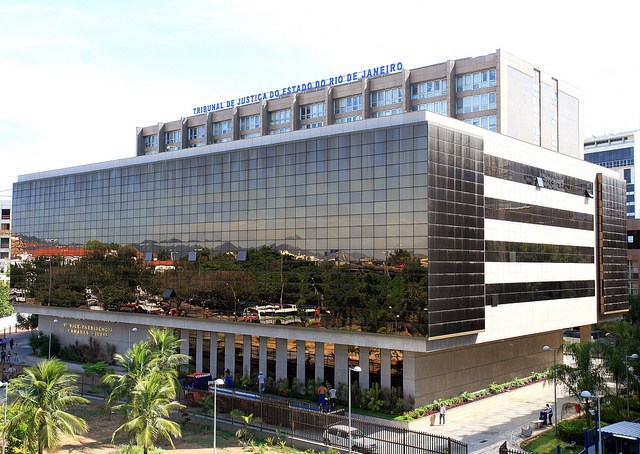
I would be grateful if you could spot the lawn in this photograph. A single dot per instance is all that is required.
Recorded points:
(196, 437)
(546, 443)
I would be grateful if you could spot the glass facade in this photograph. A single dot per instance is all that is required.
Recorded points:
(348, 212)
(619, 157)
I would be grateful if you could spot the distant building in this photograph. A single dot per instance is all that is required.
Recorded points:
(617, 152)
(5, 240)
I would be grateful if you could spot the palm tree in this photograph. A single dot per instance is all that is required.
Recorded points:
(146, 413)
(166, 346)
(138, 363)
(41, 396)
(586, 375)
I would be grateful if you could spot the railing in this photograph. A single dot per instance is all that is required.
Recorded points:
(300, 420)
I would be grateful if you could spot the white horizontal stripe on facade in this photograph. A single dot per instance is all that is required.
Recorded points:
(519, 319)
(510, 272)
(497, 188)
(532, 155)
(518, 232)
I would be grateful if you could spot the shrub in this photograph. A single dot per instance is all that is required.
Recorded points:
(610, 415)
(133, 449)
(572, 430)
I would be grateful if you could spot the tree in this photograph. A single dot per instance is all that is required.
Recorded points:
(41, 396)
(29, 322)
(585, 375)
(147, 411)
(6, 308)
(138, 363)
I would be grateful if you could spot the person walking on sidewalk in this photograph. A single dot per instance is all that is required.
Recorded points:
(443, 409)
(261, 383)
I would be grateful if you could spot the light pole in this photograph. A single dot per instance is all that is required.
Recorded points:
(555, 398)
(626, 371)
(235, 301)
(218, 382)
(6, 404)
(134, 329)
(52, 321)
(588, 395)
(355, 369)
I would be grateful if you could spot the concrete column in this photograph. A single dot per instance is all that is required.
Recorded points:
(208, 129)
(264, 120)
(281, 358)
(341, 364)
(162, 145)
(319, 354)
(295, 112)
(409, 376)
(585, 333)
(262, 354)
(328, 100)
(300, 361)
(235, 124)
(364, 353)
(184, 134)
(184, 345)
(246, 354)
(139, 142)
(385, 368)
(230, 352)
(199, 351)
(366, 100)
(406, 87)
(213, 355)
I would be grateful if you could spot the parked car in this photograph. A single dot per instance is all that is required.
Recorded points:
(338, 436)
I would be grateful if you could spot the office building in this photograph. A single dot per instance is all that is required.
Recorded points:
(498, 92)
(438, 256)
(616, 151)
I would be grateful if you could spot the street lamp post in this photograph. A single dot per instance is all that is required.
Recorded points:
(6, 404)
(555, 398)
(588, 395)
(355, 369)
(235, 301)
(52, 321)
(218, 382)
(134, 329)
(626, 371)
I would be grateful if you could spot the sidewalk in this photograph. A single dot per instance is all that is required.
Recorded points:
(484, 431)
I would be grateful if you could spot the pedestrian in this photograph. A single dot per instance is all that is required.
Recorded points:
(322, 390)
(11, 342)
(9, 357)
(261, 383)
(227, 379)
(332, 397)
(443, 409)
(3, 356)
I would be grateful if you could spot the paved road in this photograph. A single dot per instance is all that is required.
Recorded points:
(484, 431)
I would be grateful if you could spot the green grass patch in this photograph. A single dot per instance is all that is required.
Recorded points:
(546, 443)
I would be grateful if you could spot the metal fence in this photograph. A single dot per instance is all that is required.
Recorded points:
(299, 420)
(505, 449)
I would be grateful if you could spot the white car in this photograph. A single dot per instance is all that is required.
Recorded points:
(338, 436)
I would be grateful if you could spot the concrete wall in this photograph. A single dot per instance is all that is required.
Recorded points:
(447, 373)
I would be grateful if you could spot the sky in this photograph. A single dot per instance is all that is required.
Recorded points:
(78, 77)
